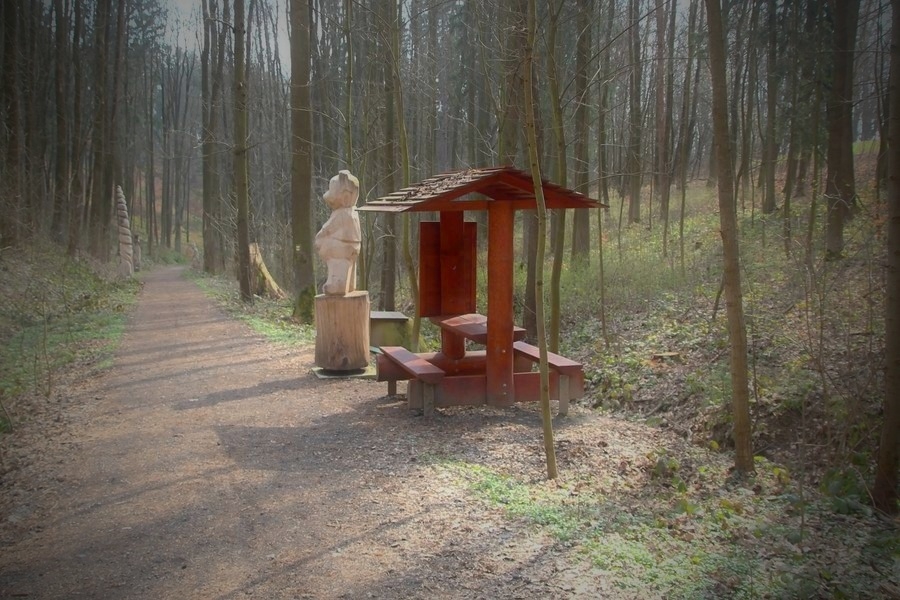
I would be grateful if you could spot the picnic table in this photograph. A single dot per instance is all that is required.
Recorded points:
(502, 373)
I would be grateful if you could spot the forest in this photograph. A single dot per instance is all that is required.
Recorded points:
(741, 287)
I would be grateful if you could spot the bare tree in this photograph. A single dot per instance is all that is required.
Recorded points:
(9, 96)
(212, 61)
(387, 17)
(301, 163)
(633, 162)
(61, 198)
(101, 196)
(560, 173)
(78, 141)
(581, 221)
(884, 492)
(688, 116)
(737, 332)
(531, 142)
(241, 176)
(840, 187)
(770, 148)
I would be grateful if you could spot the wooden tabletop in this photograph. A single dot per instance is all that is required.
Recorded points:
(471, 326)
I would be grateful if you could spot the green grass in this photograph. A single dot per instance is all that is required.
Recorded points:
(708, 537)
(270, 318)
(56, 314)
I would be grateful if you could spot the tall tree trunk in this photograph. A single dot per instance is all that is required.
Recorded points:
(101, 194)
(209, 47)
(348, 86)
(9, 96)
(840, 186)
(301, 163)
(771, 148)
(633, 162)
(115, 142)
(61, 198)
(403, 139)
(602, 172)
(793, 146)
(665, 138)
(745, 110)
(241, 183)
(661, 155)
(581, 221)
(737, 332)
(531, 141)
(78, 142)
(150, 175)
(389, 255)
(884, 492)
(560, 175)
(603, 107)
(687, 121)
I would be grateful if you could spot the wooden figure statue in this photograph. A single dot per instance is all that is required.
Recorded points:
(339, 240)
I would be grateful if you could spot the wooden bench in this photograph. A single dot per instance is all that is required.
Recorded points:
(566, 368)
(419, 369)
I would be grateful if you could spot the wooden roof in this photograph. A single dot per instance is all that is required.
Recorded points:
(451, 192)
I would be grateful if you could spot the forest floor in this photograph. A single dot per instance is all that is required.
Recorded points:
(207, 462)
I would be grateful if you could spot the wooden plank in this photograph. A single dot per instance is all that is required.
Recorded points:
(413, 364)
(471, 364)
(563, 395)
(472, 326)
(429, 268)
(461, 390)
(453, 279)
(499, 372)
(468, 280)
(387, 207)
(528, 386)
(555, 361)
(454, 285)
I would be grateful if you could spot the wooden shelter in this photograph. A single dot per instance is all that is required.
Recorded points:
(502, 373)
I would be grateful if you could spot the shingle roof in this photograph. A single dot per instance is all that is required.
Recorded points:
(474, 189)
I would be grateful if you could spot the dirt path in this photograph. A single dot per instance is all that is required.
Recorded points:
(208, 463)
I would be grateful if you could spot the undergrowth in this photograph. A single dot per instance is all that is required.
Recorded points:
(814, 330)
(694, 532)
(270, 318)
(55, 314)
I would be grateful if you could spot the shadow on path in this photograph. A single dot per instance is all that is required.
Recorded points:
(212, 464)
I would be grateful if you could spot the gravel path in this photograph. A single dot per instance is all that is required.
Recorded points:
(209, 463)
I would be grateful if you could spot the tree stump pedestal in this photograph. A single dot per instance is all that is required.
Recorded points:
(342, 332)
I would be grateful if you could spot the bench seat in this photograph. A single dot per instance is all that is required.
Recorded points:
(418, 369)
(571, 373)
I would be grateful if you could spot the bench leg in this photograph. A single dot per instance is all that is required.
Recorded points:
(392, 388)
(421, 395)
(414, 394)
(428, 400)
(563, 395)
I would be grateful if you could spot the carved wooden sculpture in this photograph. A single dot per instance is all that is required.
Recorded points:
(338, 241)
(126, 264)
(342, 312)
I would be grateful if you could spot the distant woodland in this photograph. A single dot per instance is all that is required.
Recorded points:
(764, 124)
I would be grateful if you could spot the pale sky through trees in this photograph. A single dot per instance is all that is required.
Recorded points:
(184, 18)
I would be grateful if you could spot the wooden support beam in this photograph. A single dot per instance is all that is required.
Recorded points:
(500, 385)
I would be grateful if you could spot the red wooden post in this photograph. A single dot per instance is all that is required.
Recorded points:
(454, 300)
(500, 387)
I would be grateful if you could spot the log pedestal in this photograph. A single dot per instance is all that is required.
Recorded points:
(342, 331)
